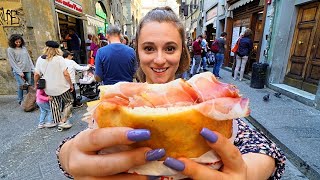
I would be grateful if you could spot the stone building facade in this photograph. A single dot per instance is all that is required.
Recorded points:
(132, 16)
(41, 20)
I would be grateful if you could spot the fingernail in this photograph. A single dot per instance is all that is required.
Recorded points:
(155, 154)
(209, 135)
(174, 164)
(139, 135)
(153, 177)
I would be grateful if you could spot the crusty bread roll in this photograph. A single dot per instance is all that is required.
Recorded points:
(174, 127)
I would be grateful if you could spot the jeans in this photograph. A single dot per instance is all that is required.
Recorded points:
(196, 64)
(20, 81)
(204, 63)
(219, 61)
(45, 111)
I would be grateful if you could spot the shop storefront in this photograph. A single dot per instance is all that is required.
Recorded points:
(246, 14)
(211, 24)
(70, 17)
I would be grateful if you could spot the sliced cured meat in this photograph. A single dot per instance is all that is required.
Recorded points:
(224, 108)
(208, 87)
(174, 93)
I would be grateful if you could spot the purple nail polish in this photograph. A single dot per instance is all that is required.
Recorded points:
(174, 164)
(209, 135)
(155, 154)
(139, 135)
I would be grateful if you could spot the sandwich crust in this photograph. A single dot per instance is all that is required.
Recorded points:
(177, 130)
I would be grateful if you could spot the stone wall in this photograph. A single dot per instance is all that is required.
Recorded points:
(11, 21)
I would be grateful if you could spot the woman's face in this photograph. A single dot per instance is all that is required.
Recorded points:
(159, 49)
(18, 43)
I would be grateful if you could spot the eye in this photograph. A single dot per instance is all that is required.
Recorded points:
(170, 49)
(148, 49)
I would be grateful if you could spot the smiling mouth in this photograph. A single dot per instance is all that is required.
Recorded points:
(159, 70)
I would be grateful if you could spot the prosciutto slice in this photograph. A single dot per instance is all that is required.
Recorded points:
(174, 93)
(203, 92)
(208, 87)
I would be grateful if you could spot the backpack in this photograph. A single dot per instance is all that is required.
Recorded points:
(215, 46)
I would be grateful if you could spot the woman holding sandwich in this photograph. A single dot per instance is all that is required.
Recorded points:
(162, 54)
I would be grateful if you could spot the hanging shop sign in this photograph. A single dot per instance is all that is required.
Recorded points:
(211, 13)
(100, 12)
(70, 5)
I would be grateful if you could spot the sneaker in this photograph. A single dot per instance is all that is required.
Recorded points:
(40, 126)
(205, 70)
(78, 105)
(67, 124)
(240, 79)
(234, 79)
(50, 125)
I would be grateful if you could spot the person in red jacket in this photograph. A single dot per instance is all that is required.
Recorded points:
(197, 50)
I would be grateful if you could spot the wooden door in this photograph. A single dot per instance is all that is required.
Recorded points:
(303, 69)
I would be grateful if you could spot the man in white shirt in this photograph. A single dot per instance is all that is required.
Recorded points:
(72, 66)
(204, 46)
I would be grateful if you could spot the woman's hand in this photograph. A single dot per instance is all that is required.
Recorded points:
(21, 75)
(80, 158)
(234, 166)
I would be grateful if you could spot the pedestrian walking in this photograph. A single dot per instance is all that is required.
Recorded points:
(94, 46)
(250, 156)
(197, 51)
(74, 43)
(221, 42)
(21, 64)
(72, 67)
(125, 40)
(115, 62)
(88, 44)
(242, 55)
(52, 68)
(45, 110)
(204, 46)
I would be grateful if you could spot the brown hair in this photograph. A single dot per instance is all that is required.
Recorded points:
(164, 14)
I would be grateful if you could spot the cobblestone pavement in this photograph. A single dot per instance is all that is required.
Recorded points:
(29, 153)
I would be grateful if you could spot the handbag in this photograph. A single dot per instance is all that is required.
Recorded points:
(25, 85)
(41, 84)
(236, 47)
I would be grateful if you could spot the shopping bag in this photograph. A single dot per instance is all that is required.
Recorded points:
(91, 61)
(29, 102)
(236, 47)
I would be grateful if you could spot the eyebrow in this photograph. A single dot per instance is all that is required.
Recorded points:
(152, 43)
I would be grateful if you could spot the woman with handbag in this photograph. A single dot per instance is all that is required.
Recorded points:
(245, 46)
(21, 63)
(51, 74)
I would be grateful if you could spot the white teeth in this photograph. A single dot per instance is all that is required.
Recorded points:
(159, 70)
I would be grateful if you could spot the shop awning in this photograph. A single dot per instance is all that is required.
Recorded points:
(94, 21)
(238, 4)
(212, 21)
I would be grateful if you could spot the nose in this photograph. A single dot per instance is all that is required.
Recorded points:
(160, 59)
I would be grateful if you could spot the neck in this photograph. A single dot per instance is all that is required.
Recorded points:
(114, 39)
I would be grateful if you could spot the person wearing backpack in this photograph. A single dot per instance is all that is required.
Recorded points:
(244, 50)
(218, 47)
(197, 50)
